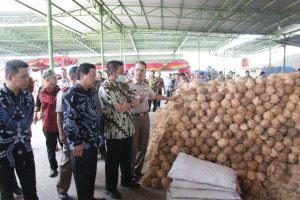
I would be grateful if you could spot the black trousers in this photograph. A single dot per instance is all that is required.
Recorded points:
(158, 101)
(154, 105)
(25, 168)
(84, 170)
(51, 142)
(169, 93)
(118, 154)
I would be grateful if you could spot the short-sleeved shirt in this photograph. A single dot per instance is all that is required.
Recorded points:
(118, 125)
(141, 88)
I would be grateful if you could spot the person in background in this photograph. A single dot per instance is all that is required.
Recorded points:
(141, 119)
(154, 84)
(16, 116)
(202, 77)
(247, 73)
(98, 83)
(262, 75)
(64, 81)
(82, 125)
(170, 85)
(221, 77)
(119, 128)
(38, 113)
(177, 80)
(48, 100)
(229, 75)
(161, 87)
(65, 167)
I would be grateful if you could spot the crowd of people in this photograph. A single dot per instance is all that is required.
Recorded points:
(84, 113)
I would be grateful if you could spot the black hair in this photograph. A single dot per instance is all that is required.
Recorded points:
(142, 63)
(72, 71)
(99, 72)
(112, 66)
(84, 68)
(247, 71)
(182, 74)
(12, 67)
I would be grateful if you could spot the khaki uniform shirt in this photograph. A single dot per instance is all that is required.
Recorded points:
(143, 89)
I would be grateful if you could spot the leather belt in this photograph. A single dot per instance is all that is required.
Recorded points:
(139, 114)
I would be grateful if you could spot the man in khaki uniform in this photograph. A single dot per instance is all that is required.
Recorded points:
(141, 117)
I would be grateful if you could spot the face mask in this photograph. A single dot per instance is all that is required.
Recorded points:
(120, 79)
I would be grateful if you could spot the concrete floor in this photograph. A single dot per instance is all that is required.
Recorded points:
(46, 186)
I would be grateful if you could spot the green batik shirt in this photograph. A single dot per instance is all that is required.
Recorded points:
(118, 125)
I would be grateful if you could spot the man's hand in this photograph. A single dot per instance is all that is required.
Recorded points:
(78, 150)
(64, 89)
(122, 107)
(35, 117)
(140, 97)
(63, 138)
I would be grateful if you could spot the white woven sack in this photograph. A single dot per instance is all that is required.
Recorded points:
(192, 169)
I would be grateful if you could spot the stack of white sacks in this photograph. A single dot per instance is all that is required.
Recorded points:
(198, 179)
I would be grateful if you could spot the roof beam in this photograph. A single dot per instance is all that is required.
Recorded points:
(89, 45)
(281, 21)
(74, 17)
(180, 15)
(107, 11)
(41, 45)
(231, 5)
(215, 27)
(127, 13)
(90, 13)
(22, 21)
(133, 43)
(254, 14)
(161, 14)
(282, 10)
(13, 50)
(143, 9)
(181, 43)
(45, 15)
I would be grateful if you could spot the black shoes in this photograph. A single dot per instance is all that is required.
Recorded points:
(98, 198)
(53, 173)
(64, 196)
(113, 194)
(137, 177)
(18, 191)
(131, 184)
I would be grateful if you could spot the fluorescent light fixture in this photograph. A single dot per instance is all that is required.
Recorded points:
(240, 40)
(288, 29)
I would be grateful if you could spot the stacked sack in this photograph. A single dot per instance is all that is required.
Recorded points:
(245, 124)
(198, 179)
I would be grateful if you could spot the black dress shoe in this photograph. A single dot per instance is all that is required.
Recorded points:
(131, 184)
(17, 191)
(113, 194)
(53, 173)
(64, 196)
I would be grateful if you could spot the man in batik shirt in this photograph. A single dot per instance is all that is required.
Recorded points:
(117, 100)
(16, 116)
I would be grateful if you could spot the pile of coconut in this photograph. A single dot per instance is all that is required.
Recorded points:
(251, 126)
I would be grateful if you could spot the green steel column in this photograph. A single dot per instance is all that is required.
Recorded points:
(101, 38)
(50, 36)
(120, 46)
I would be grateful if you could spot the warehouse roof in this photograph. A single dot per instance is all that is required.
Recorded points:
(143, 26)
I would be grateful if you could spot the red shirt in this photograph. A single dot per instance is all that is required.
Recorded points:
(48, 100)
